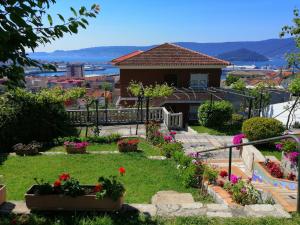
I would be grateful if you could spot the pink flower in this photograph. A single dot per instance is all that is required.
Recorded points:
(237, 139)
(279, 146)
(168, 138)
(173, 133)
(234, 179)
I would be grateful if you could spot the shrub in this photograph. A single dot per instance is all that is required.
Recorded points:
(245, 193)
(181, 159)
(126, 145)
(286, 145)
(258, 128)
(104, 139)
(168, 149)
(210, 174)
(153, 133)
(215, 114)
(237, 120)
(25, 117)
(192, 175)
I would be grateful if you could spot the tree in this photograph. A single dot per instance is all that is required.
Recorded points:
(294, 88)
(239, 85)
(22, 27)
(106, 87)
(230, 79)
(293, 58)
(148, 92)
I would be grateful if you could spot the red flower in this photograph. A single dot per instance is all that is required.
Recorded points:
(122, 171)
(64, 177)
(57, 183)
(98, 188)
(223, 173)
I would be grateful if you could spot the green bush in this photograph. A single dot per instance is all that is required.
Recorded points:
(25, 117)
(215, 114)
(237, 121)
(169, 149)
(258, 128)
(182, 159)
(112, 138)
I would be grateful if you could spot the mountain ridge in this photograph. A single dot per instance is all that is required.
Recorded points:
(271, 48)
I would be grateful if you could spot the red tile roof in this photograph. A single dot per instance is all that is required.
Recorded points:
(171, 55)
(124, 57)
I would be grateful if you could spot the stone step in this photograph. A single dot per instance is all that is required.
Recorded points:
(172, 197)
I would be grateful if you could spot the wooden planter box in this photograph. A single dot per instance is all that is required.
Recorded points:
(2, 194)
(72, 150)
(65, 203)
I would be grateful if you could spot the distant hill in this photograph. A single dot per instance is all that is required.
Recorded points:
(243, 54)
(272, 48)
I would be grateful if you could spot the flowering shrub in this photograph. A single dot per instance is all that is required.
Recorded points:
(234, 179)
(153, 133)
(109, 187)
(210, 174)
(76, 147)
(128, 145)
(293, 157)
(223, 173)
(274, 169)
(286, 145)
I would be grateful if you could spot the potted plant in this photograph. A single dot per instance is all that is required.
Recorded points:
(128, 145)
(2, 192)
(66, 194)
(76, 147)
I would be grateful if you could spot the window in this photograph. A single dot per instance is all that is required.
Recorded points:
(199, 81)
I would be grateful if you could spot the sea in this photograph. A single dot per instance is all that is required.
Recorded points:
(111, 70)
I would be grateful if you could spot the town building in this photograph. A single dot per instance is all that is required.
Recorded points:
(188, 71)
(75, 70)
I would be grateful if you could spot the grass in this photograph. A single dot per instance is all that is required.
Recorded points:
(135, 219)
(268, 151)
(143, 177)
(225, 130)
(144, 146)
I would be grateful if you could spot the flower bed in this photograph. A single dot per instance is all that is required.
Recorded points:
(68, 195)
(75, 147)
(261, 174)
(128, 145)
(2, 194)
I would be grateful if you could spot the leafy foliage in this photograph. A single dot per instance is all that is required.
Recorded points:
(25, 117)
(22, 27)
(258, 128)
(112, 188)
(230, 79)
(215, 114)
(151, 91)
(239, 85)
(294, 87)
(169, 149)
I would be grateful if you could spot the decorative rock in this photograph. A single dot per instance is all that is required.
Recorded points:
(171, 197)
(157, 157)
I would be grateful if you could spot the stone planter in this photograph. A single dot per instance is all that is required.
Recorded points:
(65, 203)
(2, 194)
(73, 150)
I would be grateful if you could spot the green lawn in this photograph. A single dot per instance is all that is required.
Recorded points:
(144, 146)
(143, 178)
(226, 130)
(268, 151)
(135, 219)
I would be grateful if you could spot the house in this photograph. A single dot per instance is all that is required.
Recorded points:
(188, 71)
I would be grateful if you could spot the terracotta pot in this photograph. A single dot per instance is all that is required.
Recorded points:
(72, 150)
(2, 194)
(55, 202)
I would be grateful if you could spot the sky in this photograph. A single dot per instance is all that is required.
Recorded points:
(147, 22)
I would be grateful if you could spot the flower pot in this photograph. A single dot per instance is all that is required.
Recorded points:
(55, 202)
(73, 150)
(2, 194)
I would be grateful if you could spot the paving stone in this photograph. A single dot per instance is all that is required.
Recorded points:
(146, 209)
(219, 214)
(266, 210)
(170, 210)
(171, 197)
(217, 207)
(16, 207)
(157, 157)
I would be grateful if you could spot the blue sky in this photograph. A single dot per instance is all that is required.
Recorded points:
(144, 22)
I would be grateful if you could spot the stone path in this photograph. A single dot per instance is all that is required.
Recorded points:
(194, 142)
(171, 203)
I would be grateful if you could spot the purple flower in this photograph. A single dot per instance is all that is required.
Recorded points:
(293, 157)
(279, 146)
(244, 190)
(234, 179)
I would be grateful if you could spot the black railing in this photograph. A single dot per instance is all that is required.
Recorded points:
(259, 142)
